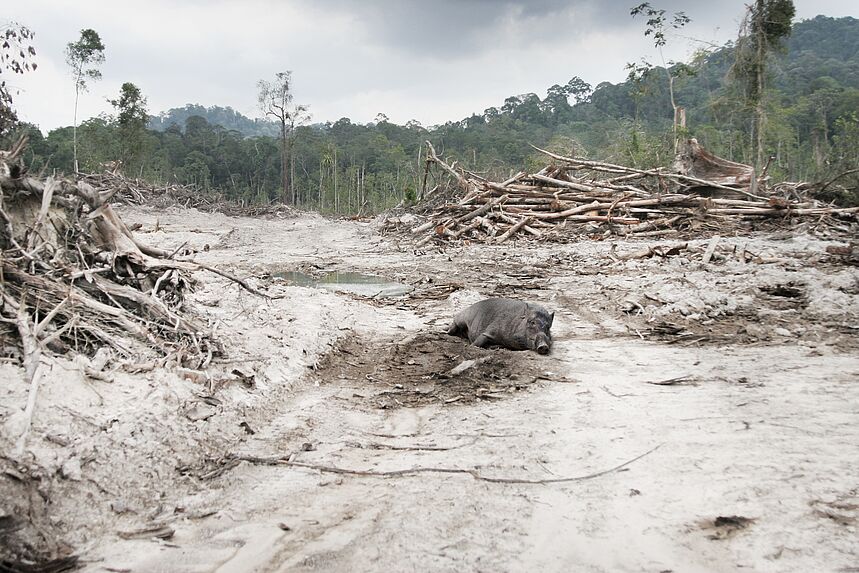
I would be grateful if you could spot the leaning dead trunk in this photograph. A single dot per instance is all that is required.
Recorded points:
(695, 161)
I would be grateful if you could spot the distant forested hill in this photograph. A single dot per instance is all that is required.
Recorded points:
(226, 117)
(812, 106)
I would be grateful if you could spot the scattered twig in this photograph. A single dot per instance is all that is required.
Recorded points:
(236, 279)
(711, 248)
(285, 461)
(379, 446)
(679, 380)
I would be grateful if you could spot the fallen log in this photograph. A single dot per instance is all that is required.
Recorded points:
(788, 212)
(660, 173)
(693, 160)
(475, 224)
(526, 227)
(483, 210)
(512, 230)
(590, 188)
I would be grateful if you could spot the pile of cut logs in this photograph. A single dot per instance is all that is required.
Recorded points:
(576, 195)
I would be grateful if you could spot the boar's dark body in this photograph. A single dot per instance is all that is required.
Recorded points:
(505, 322)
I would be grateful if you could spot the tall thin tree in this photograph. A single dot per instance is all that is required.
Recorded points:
(82, 57)
(276, 100)
(766, 25)
(657, 24)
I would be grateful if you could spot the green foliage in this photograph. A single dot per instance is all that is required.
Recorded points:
(276, 100)
(844, 157)
(774, 18)
(98, 143)
(131, 119)
(657, 22)
(767, 24)
(82, 57)
(130, 106)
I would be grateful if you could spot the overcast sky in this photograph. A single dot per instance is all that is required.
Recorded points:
(429, 60)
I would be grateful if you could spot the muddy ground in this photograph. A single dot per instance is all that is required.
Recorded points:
(691, 417)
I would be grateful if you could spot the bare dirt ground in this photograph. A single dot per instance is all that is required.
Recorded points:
(691, 416)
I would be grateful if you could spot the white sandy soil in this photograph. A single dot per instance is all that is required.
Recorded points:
(709, 413)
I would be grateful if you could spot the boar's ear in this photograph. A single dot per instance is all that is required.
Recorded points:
(551, 319)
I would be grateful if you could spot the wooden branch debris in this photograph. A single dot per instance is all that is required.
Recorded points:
(693, 160)
(32, 358)
(711, 248)
(577, 195)
(662, 251)
(74, 278)
(132, 191)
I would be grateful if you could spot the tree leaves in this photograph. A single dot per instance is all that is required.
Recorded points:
(87, 51)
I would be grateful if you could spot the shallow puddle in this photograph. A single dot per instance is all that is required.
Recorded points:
(354, 283)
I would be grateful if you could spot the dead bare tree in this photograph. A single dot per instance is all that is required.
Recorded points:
(276, 100)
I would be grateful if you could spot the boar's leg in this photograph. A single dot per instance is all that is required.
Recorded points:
(483, 340)
(457, 329)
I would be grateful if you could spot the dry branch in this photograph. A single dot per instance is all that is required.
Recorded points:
(513, 230)
(32, 359)
(287, 461)
(658, 250)
(711, 249)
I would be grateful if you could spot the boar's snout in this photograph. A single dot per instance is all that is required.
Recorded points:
(542, 344)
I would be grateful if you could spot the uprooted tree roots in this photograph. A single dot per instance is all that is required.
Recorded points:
(574, 195)
(74, 278)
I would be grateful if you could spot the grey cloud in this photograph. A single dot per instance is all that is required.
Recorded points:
(461, 29)
(434, 60)
(457, 28)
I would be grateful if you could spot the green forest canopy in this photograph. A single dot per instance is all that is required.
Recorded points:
(812, 110)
